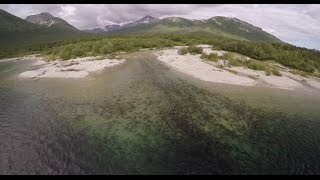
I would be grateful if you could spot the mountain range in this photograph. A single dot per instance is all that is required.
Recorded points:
(44, 27)
(219, 25)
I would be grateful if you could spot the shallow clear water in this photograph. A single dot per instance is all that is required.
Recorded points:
(143, 118)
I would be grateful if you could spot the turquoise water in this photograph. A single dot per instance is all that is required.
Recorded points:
(144, 118)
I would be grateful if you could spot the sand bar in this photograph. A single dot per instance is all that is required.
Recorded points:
(194, 66)
(209, 71)
(73, 68)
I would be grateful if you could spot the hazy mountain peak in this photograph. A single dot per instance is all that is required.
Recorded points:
(46, 15)
(41, 18)
(148, 18)
(145, 20)
(48, 20)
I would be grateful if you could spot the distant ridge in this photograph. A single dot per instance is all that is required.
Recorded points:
(218, 25)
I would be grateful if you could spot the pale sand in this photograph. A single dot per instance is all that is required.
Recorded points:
(314, 82)
(146, 49)
(192, 65)
(74, 68)
(293, 76)
(204, 46)
(281, 82)
(217, 52)
(311, 81)
(207, 49)
(179, 47)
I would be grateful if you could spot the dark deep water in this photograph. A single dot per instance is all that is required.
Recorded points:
(143, 118)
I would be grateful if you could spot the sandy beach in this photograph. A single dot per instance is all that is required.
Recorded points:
(189, 64)
(192, 65)
(209, 71)
(281, 82)
(73, 68)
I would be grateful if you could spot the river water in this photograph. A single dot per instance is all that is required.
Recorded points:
(144, 118)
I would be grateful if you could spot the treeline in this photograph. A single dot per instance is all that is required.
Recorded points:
(110, 45)
(114, 44)
(295, 57)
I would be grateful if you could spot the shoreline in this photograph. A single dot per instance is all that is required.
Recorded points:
(73, 68)
(208, 71)
(189, 64)
(21, 58)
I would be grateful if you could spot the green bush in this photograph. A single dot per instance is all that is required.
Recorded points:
(65, 55)
(190, 42)
(191, 50)
(195, 50)
(276, 72)
(268, 72)
(77, 52)
(228, 56)
(235, 62)
(210, 57)
(183, 51)
(256, 65)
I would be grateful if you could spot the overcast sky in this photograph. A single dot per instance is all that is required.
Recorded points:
(297, 24)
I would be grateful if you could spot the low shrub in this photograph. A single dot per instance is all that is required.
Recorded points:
(235, 62)
(183, 51)
(228, 56)
(210, 57)
(276, 72)
(268, 72)
(256, 65)
(195, 50)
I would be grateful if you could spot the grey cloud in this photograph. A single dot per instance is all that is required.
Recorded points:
(297, 24)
